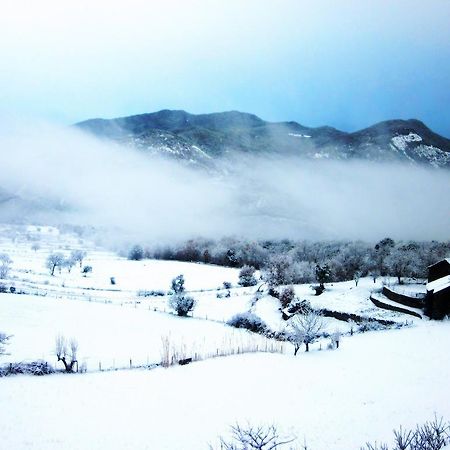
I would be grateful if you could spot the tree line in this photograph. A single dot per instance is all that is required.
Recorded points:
(295, 262)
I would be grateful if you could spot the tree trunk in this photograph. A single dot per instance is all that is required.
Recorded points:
(307, 346)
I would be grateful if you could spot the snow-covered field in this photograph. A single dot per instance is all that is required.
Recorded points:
(335, 399)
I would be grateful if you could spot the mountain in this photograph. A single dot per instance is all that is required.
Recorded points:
(200, 139)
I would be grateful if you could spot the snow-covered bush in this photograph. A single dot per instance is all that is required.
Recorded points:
(37, 368)
(247, 277)
(287, 295)
(151, 293)
(370, 325)
(249, 321)
(181, 303)
(177, 284)
(300, 307)
(86, 270)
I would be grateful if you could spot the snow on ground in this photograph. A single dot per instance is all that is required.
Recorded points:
(347, 297)
(107, 334)
(130, 276)
(333, 399)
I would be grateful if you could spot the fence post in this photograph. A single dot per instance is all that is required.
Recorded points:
(131, 364)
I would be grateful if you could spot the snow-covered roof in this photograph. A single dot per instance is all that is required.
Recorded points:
(439, 284)
(438, 262)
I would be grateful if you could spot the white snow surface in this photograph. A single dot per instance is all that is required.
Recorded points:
(401, 142)
(333, 399)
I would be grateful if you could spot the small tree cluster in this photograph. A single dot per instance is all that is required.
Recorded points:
(59, 261)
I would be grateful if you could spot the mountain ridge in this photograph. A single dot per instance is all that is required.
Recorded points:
(200, 138)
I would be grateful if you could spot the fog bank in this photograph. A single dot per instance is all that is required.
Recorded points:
(55, 175)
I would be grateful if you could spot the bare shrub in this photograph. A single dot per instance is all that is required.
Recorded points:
(254, 437)
(432, 435)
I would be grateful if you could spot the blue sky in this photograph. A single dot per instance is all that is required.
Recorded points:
(345, 63)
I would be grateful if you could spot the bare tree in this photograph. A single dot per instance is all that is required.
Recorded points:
(66, 352)
(256, 438)
(78, 256)
(305, 328)
(68, 263)
(54, 260)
